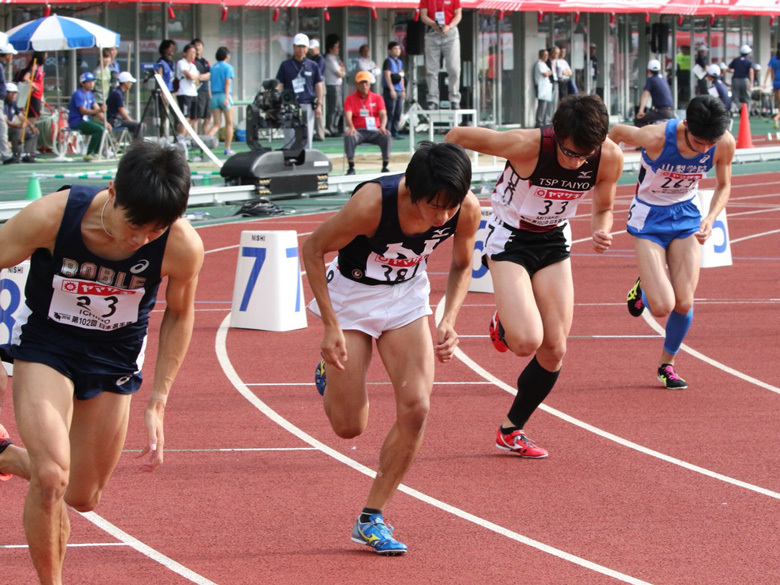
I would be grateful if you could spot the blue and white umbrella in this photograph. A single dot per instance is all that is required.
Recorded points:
(60, 33)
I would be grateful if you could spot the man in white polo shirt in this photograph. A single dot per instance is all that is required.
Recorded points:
(189, 79)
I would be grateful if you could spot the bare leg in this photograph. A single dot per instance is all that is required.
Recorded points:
(408, 357)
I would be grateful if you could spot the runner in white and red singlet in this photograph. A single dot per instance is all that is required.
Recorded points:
(548, 172)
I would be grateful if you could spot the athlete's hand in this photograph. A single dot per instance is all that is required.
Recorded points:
(601, 241)
(705, 231)
(446, 342)
(333, 348)
(153, 418)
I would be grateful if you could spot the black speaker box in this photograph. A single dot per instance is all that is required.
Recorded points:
(659, 37)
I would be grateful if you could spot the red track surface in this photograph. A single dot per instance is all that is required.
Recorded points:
(597, 511)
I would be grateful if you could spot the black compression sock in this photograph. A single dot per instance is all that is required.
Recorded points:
(533, 386)
(365, 515)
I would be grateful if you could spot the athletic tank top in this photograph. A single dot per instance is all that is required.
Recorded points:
(390, 256)
(671, 178)
(83, 295)
(549, 196)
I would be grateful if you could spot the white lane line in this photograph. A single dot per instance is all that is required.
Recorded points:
(232, 375)
(72, 545)
(145, 549)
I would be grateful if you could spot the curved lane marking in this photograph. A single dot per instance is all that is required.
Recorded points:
(238, 384)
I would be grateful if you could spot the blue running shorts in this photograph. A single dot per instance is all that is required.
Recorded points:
(664, 223)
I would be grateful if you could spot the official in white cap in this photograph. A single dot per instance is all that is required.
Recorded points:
(6, 56)
(743, 74)
(117, 112)
(716, 86)
(302, 77)
(17, 122)
(656, 89)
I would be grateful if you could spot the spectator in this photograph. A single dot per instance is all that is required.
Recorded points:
(86, 116)
(203, 104)
(656, 89)
(552, 56)
(102, 75)
(442, 40)
(594, 67)
(222, 76)
(742, 70)
(773, 71)
(6, 56)
(563, 70)
(393, 87)
(316, 55)
(33, 74)
(543, 85)
(116, 112)
(366, 120)
(302, 76)
(366, 63)
(702, 60)
(114, 67)
(717, 87)
(17, 122)
(166, 70)
(491, 75)
(683, 73)
(334, 72)
(189, 79)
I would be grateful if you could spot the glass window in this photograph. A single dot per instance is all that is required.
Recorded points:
(358, 27)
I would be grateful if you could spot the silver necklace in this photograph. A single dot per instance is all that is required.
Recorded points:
(102, 224)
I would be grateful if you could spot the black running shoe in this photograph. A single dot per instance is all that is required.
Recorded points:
(634, 300)
(669, 378)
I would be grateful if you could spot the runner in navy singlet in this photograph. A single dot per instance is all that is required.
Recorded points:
(377, 289)
(665, 216)
(548, 172)
(98, 256)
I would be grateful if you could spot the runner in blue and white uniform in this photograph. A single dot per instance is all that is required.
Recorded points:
(548, 172)
(377, 289)
(98, 255)
(665, 218)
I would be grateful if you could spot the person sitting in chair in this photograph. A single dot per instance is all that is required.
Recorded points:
(16, 122)
(366, 120)
(117, 112)
(86, 116)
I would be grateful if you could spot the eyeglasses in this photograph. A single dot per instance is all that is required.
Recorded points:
(571, 154)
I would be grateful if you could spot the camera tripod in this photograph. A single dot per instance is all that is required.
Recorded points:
(161, 120)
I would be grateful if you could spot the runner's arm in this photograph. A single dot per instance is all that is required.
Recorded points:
(182, 263)
(724, 153)
(610, 168)
(359, 216)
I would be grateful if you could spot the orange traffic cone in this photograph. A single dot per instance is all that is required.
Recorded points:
(744, 139)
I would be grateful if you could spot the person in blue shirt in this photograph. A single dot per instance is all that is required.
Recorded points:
(743, 72)
(393, 87)
(221, 80)
(6, 56)
(302, 76)
(717, 87)
(166, 70)
(315, 54)
(116, 112)
(665, 217)
(86, 115)
(773, 71)
(656, 89)
(18, 122)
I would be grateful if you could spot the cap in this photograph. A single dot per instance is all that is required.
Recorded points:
(756, 67)
(126, 76)
(593, 46)
(713, 70)
(362, 76)
(86, 76)
(9, 50)
(745, 50)
(301, 40)
(11, 87)
(314, 44)
(653, 65)
(703, 47)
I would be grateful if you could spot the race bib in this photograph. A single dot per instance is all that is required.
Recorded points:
(393, 269)
(91, 305)
(549, 207)
(637, 214)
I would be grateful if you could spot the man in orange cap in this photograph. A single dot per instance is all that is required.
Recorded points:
(366, 120)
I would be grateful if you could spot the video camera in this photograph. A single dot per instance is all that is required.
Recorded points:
(273, 109)
(148, 70)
